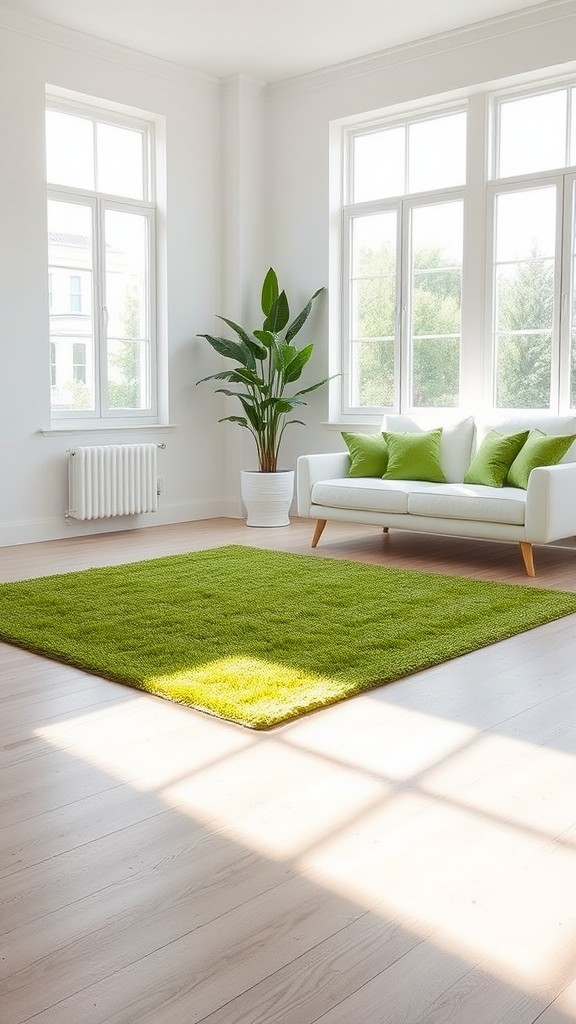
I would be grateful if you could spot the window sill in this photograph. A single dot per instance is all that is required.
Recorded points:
(363, 425)
(145, 428)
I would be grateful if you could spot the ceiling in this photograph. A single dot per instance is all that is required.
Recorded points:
(268, 39)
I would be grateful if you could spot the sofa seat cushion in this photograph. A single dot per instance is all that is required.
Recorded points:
(366, 493)
(468, 501)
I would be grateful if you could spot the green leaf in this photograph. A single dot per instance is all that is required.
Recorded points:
(287, 354)
(223, 375)
(245, 337)
(278, 316)
(269, 291)
(266, 337)
(247, 376)
(225, 391)
(231, 350)
(295, 368)
(299, 321)
(287, 404)
(235, 419)
(253, 414)
(314, 387)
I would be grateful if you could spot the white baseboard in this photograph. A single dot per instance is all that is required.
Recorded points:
(233, 509)
(56, 528)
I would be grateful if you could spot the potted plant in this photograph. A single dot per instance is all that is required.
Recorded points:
(267, 363)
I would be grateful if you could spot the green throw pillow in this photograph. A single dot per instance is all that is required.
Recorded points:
(540, 450)
(414, 456)
(368, 454)
(494, 457)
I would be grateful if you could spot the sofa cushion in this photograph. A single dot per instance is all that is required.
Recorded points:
(494, 457)
(511, 423)
(368, 494)
(368, 454)
(468, 501)
(540, 450)
(414, 456)
(455, 444)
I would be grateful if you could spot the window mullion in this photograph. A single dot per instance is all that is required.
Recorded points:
(557, 400)
(404, 363)
(100, 319)
(567, 398)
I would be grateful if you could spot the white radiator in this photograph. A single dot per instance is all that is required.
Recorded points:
(112, 480)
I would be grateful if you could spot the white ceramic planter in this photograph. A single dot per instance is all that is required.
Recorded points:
(267, 496)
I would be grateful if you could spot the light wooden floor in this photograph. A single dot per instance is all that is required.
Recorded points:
(405, 857)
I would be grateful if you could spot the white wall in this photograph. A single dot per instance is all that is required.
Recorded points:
(33, 488)
(299, 113)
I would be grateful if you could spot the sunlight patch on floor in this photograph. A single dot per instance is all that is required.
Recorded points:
(447, 830)
(130, 727)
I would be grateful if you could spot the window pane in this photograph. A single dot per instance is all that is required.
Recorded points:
(524, 366)
(120, 161)
(71, 318)
(72, 374)
(532, 134)
(435, 372)
(373, 308)
(437, 153)
(524, 297)
(526, 224)
(128, 375)
(127, 308)
(372, 374)
(379, 165)
(69, 150)
(373, 296)
(435, 303)
(126, 262)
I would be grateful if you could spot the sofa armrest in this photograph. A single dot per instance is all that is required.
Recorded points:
(311, 468)
(551, 503)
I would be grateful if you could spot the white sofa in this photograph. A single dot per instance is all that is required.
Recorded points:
(544, 512)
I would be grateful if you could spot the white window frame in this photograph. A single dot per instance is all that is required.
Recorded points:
(477, 353)
(100, 203)
(564, 179)
(515, 186)
(403, 205)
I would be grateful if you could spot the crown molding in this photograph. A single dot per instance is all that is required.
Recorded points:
(545, 13)
(114, 53)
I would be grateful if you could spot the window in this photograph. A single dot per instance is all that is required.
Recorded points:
(532, 258)
(403, 230)
(75, 293)
(458, 256)
(101, 263)
(79, 362)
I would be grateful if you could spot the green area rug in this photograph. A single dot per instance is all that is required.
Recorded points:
(259, 637)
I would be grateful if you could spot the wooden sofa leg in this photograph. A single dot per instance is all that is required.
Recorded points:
(385, 529)
(527, 557)
(321, 523)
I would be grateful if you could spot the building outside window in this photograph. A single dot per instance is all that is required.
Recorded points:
(75, 293)
(101, 263)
